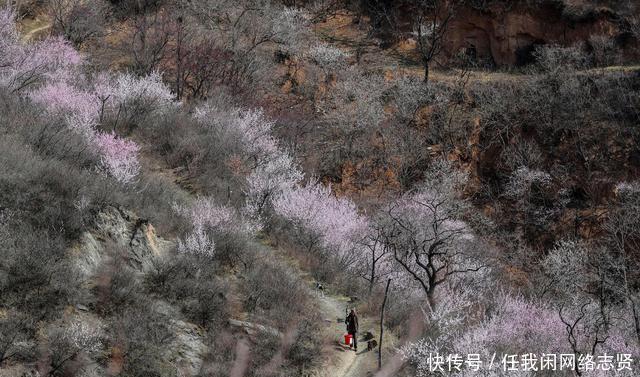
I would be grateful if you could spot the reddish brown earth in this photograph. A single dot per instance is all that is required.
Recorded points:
(505, 33)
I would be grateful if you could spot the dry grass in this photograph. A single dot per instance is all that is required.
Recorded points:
(34, 28)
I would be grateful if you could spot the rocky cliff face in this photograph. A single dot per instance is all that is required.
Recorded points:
(507, 34)
(123, 229)
(120, 228)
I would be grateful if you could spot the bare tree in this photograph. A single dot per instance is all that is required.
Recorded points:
(623, 228)
(427, 236)
(77, 20)
(240, 30)
(149, 40)
(374, 264)
(431, 20)
(585, 331)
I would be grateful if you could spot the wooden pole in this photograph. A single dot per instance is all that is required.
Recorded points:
(384, 302)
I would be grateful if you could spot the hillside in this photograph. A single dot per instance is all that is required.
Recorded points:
(178, 179)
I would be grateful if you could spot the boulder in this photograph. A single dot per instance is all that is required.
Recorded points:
(254, 329)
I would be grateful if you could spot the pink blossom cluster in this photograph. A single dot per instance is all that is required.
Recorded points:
(120, 95)
(119, 157)
(150, 90)
(205, 217)
(276, 176)
(274, 171)
(328, 57)
(23, 65)
(314, 208)
(57, 54)
(202, 214)
(126, 92)
(523, 179)
(250, 126)
(198, 243)
(46, 68)
(78, 107)
(255, 130)
(205, 213)
(518, 326)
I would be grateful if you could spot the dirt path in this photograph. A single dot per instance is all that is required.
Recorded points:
(343, 361)
(32, 28)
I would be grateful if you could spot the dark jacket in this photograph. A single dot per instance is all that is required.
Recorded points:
(352, 323)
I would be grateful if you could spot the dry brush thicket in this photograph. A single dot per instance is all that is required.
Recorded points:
(170, 168)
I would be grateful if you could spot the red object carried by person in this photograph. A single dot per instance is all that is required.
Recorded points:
(347, 339)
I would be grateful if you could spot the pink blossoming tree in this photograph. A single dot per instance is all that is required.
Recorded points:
(24, 65)
(323, 219)
(206, 220)
(119, 157)
(129, 100)
(77, 107)
(273, 178)
(251, 127)
(426, 235)
(46, 68)
(273, 172)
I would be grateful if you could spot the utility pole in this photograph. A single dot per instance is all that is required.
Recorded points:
(384, 302)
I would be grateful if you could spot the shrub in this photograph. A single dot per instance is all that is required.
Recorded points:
(276, 292)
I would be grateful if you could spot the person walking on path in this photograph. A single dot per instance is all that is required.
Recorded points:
(352, 327)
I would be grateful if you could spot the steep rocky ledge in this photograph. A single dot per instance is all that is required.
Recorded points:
(120, 228)
(506, 34)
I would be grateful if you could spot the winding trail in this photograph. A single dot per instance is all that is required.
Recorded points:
(343, 361)
(33, 28)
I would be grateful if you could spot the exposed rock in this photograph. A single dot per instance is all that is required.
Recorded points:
(506, 33)
(254, 328)
(137, 236)
(188, 349)
(82, 308)
(124, 229)
(89, 254)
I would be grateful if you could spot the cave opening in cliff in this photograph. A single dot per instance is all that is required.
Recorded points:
(525, 55)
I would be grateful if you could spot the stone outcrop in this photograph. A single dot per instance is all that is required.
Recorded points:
(123, 229)
(188, 348)
(120, 228)
(253, 329)
(507, 34)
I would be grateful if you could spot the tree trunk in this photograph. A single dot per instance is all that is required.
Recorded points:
(431, 300)
(636, 320)
(426, 71)
(373, 273)
(384, 302)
